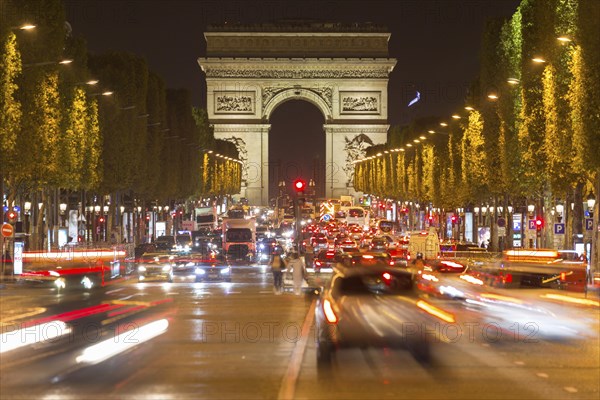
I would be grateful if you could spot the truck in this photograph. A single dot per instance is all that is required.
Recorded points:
(239, 238)
(206, 218)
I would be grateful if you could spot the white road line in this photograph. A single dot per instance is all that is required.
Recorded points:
(288, 384)
(520, 362)
(114, 291)
(570, 389)
(542, 375)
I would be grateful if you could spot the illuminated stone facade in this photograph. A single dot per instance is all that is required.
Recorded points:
(342, 70)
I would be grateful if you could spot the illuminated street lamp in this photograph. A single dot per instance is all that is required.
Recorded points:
(564, 39)
(492, 96)
(538, 60)
(513, 81)
(591, 202)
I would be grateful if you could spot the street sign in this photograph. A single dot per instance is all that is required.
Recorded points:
(501, 222)
(18, 258)
(559, 229)
(7, 230)
(589, 224)
(501, 231)
(326, 217)
(531, 225)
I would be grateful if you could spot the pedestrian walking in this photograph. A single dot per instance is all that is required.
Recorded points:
(277, 266)
(296, 264)
(309, 254)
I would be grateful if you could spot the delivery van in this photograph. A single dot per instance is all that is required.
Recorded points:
(424, 242)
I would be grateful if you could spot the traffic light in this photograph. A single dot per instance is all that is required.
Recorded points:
(539, 224)
(101, 220)
(299, 185)
(454, 219)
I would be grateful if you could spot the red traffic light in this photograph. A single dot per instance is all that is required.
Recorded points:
(539, 223)
(299, 185)
(101, 220)
(453, 219)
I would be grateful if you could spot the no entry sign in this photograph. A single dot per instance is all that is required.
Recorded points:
(7, 230)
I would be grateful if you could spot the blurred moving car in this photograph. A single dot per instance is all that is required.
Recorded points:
(156, 266)
(374, 306)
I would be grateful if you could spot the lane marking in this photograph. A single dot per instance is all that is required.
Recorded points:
(288, 383)
(542, 375)
(520, 362)
(570, 389)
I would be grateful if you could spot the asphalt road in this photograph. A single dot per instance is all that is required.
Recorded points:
(239, 340)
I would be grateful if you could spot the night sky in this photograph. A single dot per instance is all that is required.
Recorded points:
(436, 44)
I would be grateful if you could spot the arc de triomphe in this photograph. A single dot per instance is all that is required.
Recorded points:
(342, 70)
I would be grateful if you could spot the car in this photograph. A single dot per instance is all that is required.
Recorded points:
(374, 306)
(365, 241)
(211, 268)
(156, 266)
(378, 243)
(265, 248)
(349, 248)
(319, 242)
(366, 259)
(183, 243)
(325, 260)
(165, 243)
(356, 233)
(143, 248)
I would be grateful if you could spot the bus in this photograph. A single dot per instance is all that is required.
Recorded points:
(357, 216)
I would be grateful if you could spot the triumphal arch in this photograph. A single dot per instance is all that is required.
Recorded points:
(342, 69)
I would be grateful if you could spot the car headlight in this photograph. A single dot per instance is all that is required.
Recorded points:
(225, 270)
(261, 246)
(166, 268)
(142, 268)
(199, 271)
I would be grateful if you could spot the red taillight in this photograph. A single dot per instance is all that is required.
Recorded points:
(387, 276)
(508, 278)
(328, 311)
(563, 276)
(318, 263)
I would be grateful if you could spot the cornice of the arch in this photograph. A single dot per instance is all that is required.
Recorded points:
(356, 128)
(241, 128)
(321, 97)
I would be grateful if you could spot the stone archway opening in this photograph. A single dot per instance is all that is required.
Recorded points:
(296, 145)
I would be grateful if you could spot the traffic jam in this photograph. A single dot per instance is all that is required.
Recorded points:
(363, 272)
